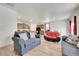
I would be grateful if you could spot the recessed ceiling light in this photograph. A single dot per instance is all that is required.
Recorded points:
(18, 17)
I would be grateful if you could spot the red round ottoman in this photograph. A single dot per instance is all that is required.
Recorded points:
(52, 36)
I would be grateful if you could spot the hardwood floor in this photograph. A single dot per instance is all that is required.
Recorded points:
(46, 48)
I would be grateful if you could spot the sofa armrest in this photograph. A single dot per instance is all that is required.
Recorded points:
(19, 40)
(64, 38)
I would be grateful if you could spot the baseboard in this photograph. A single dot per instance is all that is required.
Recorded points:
(8, 43)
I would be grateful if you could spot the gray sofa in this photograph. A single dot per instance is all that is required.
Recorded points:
(69, 49)
(25, 41)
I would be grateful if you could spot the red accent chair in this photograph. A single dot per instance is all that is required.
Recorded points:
(52, 36)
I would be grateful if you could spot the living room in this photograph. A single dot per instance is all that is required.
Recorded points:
(50, 18)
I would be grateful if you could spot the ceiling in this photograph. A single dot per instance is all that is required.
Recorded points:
(44, 12)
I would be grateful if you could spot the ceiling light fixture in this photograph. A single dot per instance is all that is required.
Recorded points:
(18, 17)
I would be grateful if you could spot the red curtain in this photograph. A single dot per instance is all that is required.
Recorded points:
(75, 26)
(70, 26)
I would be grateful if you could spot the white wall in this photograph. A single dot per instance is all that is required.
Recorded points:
(72, 25)
(60, 26)
(78, 24)
(7, 25)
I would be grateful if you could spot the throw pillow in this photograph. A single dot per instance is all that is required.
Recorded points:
(23, 36)
(77, 45)
(32, 35)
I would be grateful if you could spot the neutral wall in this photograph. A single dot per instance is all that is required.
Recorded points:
(7, 25)
(78, 24)
(60, 26)
(72, 25)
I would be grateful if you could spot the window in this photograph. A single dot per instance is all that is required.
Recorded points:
(47, 27)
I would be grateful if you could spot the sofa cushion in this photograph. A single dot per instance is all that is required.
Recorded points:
(28, 34)
(32, 35)
(72, 40)
(23, 36)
